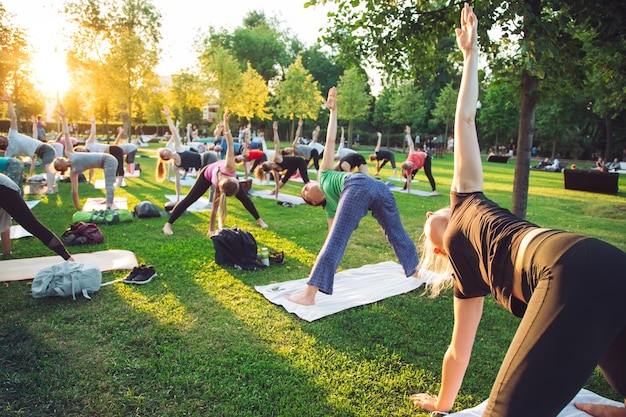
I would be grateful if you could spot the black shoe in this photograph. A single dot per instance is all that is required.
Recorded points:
(145, 275)
(133, 274)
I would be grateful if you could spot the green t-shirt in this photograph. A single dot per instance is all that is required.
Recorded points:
(331, 184)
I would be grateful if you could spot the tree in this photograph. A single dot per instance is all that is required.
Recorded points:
(223, 76)
(187, 93)
(254, 97)
(352, 93)
(408, 106)
(298, 96)
(323, 66)
(498, 116)
(117, 41)
(446, 107)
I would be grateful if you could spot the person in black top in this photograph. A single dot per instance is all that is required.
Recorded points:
(569, 289)
(382, 157)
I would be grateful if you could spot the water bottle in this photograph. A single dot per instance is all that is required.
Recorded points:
(265, 256)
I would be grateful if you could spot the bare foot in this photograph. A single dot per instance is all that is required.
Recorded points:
(305, 298)
(261, 224)
(167, 229)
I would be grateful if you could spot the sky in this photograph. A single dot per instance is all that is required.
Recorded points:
(182, 21)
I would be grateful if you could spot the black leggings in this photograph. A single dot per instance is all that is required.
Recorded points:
(118, 153)
(315, 156)
(293, 164)
(199, 188)
(13, 203)
(575, 320)
(428, 163)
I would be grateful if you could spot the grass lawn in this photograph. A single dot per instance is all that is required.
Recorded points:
(200, 341)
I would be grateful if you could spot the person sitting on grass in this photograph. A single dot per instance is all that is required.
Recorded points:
(78, 162)
(568, 289)
(223, 176)
(347, 197)
(382, 157)
(414, 161)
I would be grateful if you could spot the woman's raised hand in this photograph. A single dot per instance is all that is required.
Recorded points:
(331, 101)
(466, 35)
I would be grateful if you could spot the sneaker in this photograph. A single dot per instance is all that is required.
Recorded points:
(145, 275)
(131, 276)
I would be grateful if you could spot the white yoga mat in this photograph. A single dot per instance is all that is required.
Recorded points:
(32, 203)
(283, 198)
(135, 174)
(188, 181)
(583, 396)
(402, 180)
(18, 232)
(101, 184)
(202, 204)
(100, 203)
(421, 193)
(353, 287)
(108, 260)
(257, 181)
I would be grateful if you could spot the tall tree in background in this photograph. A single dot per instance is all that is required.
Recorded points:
(223, 76)
(116, 42)
(298, 95)
(186, 92)
(445, 107)
(254, 97)
(352, 92)
(408, 106)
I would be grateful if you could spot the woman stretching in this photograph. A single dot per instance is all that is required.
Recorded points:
(13, 205)
(347, 198)
(308, 152)
(384, 156)
(414, 161)
(222, 174)
(17, 144)
(78, 162)
(281, 163)
(568, 289)
(93, 146)
(179, 157)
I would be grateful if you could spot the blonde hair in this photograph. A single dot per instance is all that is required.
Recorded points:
(434, 262)
(228, 187)
(160, 166)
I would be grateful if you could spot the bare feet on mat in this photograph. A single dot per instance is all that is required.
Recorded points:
(305, 298)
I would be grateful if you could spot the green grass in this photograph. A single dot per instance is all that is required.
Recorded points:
(200, 341)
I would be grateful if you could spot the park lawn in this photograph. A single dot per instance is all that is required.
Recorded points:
(200, 341)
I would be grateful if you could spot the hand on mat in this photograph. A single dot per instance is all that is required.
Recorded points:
(425, 401)
(600, 410)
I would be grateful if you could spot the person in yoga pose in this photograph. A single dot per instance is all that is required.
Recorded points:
(92, 145)
(382, 157)
(12, 205)
(78, 162)
(414, 161)
(347, 197)
(279, 163)
(348, 161)
(130, 150)
(568, 289)
(308, 152)
(181, 159)
(223, 177)
(16, 144)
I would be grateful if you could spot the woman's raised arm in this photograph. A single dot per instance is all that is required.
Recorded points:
(328, 160)
(230, 164)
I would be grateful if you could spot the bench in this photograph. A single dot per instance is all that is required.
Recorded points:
(502, 159)
(591, 180)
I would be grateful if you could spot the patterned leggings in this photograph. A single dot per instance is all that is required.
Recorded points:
(360, 194)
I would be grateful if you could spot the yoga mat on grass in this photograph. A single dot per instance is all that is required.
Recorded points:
(18, 232)
(402, 180)
(421, 193)
(134, 174)
(583, 396)
(185, 182)
(283, 198)
(32, 203)
(108, 260)
(202, 204)
(101, 184)
(100, 203)
(353, 287)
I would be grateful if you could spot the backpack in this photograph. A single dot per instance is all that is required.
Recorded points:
(147, 209)
(236, 247)
(82, 233)
(67, 279)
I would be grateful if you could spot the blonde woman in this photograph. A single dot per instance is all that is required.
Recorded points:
(568, 289)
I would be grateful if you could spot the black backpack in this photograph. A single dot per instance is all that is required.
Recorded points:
(236, 247)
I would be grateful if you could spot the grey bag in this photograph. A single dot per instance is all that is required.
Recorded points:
(67, 279)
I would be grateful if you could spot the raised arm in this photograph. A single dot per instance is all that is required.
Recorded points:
(92, 131)
(294, 145)
(173, 129)
(328, 160)
(69, 149)
(11, 111)
(409, 139)
(277, 156)
(230, 164)
(468, 174)
(378, 141)
(118, 138)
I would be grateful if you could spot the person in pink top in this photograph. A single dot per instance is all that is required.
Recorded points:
(416, 160)
(223, 177)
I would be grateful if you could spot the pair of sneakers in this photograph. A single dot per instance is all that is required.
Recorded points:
(141, 274)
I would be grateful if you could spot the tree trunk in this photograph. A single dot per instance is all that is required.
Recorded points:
(608, 157)
(524, 144)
